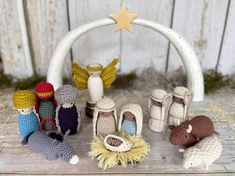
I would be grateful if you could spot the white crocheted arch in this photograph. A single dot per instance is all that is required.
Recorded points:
(188, 56)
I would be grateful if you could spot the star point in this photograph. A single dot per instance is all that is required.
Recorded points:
(123, 19)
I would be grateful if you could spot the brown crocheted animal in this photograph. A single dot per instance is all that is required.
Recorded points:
(191, 131)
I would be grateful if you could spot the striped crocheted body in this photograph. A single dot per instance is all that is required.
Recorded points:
(27, 124)
(47, 110)
(129, 127)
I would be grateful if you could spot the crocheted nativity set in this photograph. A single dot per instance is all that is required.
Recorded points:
(117, 140)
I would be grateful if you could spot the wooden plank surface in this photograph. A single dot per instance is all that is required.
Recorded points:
(164, 158)
(14, 46)
(227, 57)
(144, 48)
(48, 23)
(201, 23)
(100, 45)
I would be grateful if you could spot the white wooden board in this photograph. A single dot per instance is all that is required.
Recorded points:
(227, 57)
(48, 23)
(14, 46)
(201, 22)
(145, 48)
(99, 45)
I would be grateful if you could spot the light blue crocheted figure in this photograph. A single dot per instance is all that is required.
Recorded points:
(129, 126)
(27, 123)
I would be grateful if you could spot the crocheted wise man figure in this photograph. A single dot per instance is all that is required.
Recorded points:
(28, 122)
(68, 115)
(131, 119)
(105, 117)
(45, 105)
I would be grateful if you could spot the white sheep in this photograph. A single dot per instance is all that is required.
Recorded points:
(203, 154)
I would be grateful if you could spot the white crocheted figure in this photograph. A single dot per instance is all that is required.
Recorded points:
(131, 119)
(182, 98)
(159, 104)
(105, 117)
(203, 154)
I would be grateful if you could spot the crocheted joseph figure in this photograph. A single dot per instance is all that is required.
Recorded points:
(105, 117)
(131, 119)
(45, 105)
(28, 122)
(68, 115)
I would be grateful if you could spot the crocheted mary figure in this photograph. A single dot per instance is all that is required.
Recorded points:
(28, 122)
(105, 117)
(131, 119)
(68, 115)
(45, 105)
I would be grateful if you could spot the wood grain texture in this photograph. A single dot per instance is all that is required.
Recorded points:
(201, 22)
(48, 23)
(227, 57)
(164, 158)
(14, 46)
(98, 45)
(143, 47)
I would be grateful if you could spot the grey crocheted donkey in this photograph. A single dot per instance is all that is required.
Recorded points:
(51, 147)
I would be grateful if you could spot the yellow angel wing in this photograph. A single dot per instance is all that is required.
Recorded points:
(108, 74)
(80, 76)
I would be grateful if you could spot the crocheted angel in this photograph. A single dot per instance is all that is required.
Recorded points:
(95, 78)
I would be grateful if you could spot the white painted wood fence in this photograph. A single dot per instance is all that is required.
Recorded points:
(30, 31)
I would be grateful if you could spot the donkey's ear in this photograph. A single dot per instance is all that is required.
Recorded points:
(66, 134)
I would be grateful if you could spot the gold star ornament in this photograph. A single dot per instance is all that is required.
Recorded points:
(123, 19)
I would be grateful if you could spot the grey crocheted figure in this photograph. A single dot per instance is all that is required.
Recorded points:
(51, 148)
(68, 116)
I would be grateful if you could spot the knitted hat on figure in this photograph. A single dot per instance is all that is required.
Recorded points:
(158, 95)
(44, 90)
(66, 93)
(136, 110)
(24, 99)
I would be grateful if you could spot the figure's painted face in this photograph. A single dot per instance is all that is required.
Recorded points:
(156, 103)
(26, 111)
(95, 73)
(68, 104)
(105, 114)
(129, 116)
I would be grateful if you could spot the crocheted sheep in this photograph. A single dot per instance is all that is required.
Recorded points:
(203, 154)
(191, 131)
(52, 146)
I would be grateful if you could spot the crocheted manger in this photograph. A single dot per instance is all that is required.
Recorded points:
(108, 159)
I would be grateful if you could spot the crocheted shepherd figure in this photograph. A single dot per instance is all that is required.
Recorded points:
(45, 105)
(182, 99)
(24, 101)
(105, 117)
(131, 119)
(68, 115)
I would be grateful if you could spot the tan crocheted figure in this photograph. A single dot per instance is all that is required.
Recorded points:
(105, 117)
(159, 104)
(131, 119)
(182, 99)
(203, 154)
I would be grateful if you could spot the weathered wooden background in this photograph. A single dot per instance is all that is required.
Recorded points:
(30, 30)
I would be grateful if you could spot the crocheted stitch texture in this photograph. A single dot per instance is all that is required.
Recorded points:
(23, 99)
